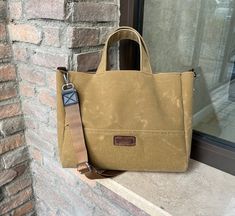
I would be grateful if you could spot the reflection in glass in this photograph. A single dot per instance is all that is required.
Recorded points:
(198, 34)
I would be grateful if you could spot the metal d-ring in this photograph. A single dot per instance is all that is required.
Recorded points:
(67, 86)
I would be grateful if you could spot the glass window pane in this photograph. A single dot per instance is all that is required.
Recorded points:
(198, 34)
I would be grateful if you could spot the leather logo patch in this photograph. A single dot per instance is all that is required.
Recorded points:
(124, 140)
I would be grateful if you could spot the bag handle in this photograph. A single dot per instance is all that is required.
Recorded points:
(141, 38)
(131, 34)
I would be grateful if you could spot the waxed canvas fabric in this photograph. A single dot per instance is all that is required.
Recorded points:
(155, 108)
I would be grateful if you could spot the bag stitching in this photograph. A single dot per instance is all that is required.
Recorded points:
(91, 130)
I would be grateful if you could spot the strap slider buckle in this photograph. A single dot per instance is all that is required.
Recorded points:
(84, 167)
(70, 95)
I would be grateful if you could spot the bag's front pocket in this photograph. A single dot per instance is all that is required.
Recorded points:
(157, 150)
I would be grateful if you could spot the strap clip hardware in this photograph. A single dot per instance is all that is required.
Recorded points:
(69, 95)
(83, 169)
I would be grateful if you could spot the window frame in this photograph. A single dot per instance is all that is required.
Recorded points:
(207, 149)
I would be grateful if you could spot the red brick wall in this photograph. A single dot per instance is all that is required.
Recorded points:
(46, 34)
(16, 196)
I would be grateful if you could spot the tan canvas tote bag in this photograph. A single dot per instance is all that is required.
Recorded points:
(132, 120)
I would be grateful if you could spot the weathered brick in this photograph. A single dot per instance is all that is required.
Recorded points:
(104, 33)
(53, 197)
(31, 75)
(15, 157)
(15, 9)
(7, 176)
(20, 53)
(30, 123)
(10, 110)
(95, 200)
(13, 125)
(33, 110)
(95, 12)
(36, 154)
(51, 80)
(44, 209)
(3, 11)
(52, 118)
(7, 90)
(25, 33)
(47, 131)
(59, 172)
(47, 97)
(18, 184)
(52, 36)
(7, 72)
(2, 31)
(11, 142)
(16, 200)
(53, 9)
(88, 61)
(39, 142)
(24, 209)
(5, 51)
(79, 37)
(22, 168)
(49, 60)
(26, 89)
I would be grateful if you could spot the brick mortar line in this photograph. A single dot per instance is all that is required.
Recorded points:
(84, 49)
(5, 64)
(10, 101)
(47, 49)
(18, 132)
(87, 24)
(59, 23)
(36, 67)
(12, 83)
(41, 23)
(4, 61)
(11, 117)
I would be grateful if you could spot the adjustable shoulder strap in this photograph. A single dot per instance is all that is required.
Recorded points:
(73, 115)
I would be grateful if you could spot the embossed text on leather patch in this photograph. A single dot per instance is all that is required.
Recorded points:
(124, 140)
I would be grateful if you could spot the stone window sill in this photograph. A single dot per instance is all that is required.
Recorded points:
(203, 190)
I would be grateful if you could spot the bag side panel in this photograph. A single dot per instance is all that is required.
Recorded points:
(187, 93)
